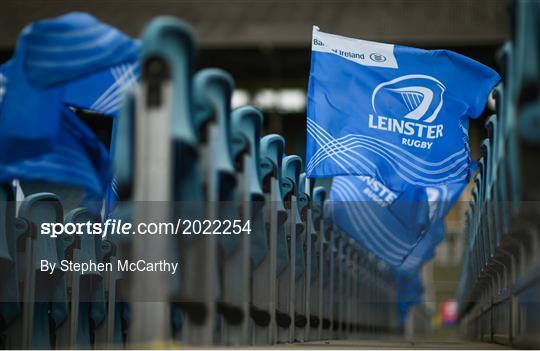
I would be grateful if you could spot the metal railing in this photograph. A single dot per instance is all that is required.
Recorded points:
(499, 292)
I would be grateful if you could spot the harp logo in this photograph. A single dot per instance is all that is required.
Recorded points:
(409, 105)
(419, 97)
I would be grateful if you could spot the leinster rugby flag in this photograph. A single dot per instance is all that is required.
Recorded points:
(63, 68)
(394, 113)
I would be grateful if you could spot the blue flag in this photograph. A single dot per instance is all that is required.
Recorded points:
(61, 65)
(394, 113)
(423, 252)
(409, 294)
(73, 60)
(388, 223)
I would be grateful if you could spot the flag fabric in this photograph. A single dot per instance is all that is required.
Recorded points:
(387, 223)
(423, 252)
(72, 62)
(409, 293)
(394, 113)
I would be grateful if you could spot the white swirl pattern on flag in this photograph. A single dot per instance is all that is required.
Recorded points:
(413, 170)
(111, 99)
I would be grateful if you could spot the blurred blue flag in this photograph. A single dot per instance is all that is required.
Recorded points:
(394, 113)
(423, 252)
(409, 293)
(61, 65)
(388, 223)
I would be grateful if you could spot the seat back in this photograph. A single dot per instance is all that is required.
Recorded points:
(272, 148)
(247, 121)
(86, 292)
(212, 91)
(44, 297)
(9, 267)
(291, 169)
(162, 134)
(273, 216)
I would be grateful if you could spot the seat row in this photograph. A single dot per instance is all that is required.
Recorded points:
(498, 290)
(179, 152)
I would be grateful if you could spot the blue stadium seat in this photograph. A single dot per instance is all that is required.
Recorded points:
(44, 294)
(10, 233)
(86, 294)
(512, 191)
(290, 173)
(303, 260)
(487, 179)
(235, 306)
(526, 69)
(341, 242)
(167, 62)
(264, 279)
(328, 273)
(317, 264)
(212, 89)
(494, 205)
(113, 330)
